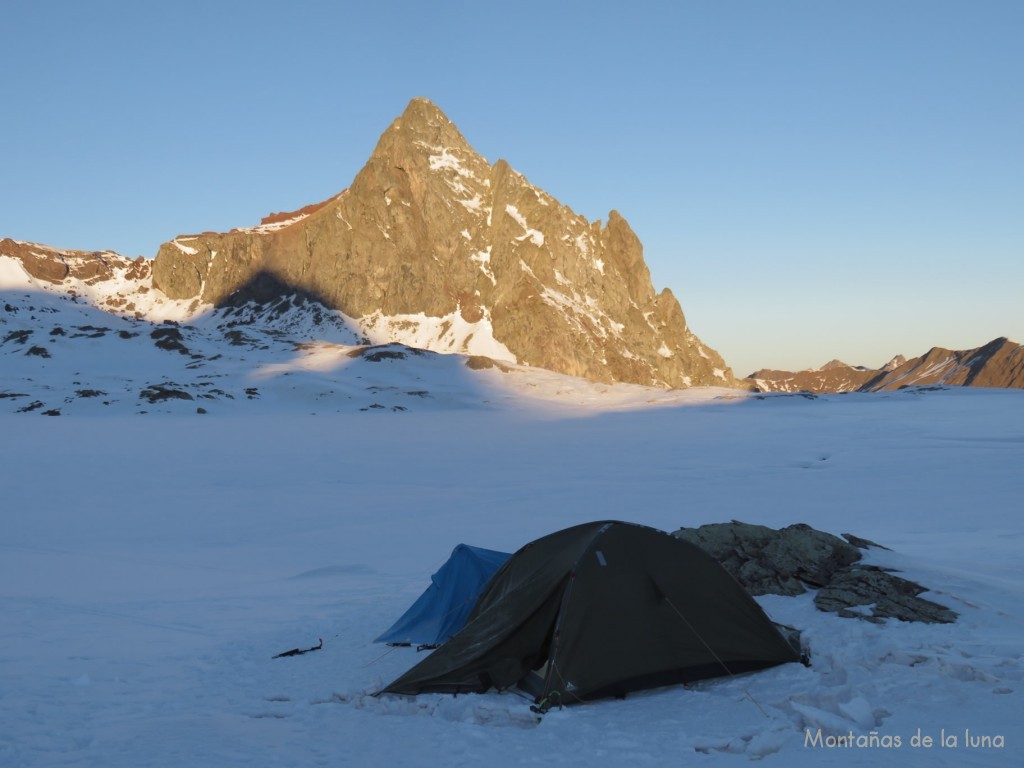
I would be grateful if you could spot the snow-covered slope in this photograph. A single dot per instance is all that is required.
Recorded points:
(150, 568)
(299, 482)
(61, 354)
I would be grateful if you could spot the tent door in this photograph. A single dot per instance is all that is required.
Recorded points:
(533, 683)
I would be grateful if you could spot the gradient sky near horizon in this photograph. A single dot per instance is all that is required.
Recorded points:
(813, 180)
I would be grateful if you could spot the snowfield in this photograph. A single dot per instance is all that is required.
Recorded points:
(212, 494)
(151, 565)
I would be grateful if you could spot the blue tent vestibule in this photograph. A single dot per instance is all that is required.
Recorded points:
(441, 611)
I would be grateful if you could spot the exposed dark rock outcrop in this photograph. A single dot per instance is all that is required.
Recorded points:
(875, 594)
(169, 338)
(156, 393)
(774, 562)
(791, 560)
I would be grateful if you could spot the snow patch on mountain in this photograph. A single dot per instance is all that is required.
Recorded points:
(533, 235)
(583, 311)
(448, 334)
(13, 276)
(179, 243)
(275, 226)
(483, 259)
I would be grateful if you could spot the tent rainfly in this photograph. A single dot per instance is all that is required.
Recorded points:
(602, 609)
(442, 609)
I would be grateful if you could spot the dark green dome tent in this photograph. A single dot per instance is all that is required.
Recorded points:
(602, 609)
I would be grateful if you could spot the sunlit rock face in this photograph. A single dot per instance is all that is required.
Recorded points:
(432, 245)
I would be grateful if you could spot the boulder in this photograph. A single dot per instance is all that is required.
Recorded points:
(774, 562)
(883, 594)
(767, 561)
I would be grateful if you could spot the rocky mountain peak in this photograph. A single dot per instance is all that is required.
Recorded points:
(423, 119)
(895, 363)
(421, 132)
(433, 246)
(833, 364)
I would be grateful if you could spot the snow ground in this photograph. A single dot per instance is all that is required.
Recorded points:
(150, 566)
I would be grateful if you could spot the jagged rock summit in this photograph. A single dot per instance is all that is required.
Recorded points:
(435, 247)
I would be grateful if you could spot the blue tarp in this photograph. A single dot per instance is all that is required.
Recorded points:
(441, 611)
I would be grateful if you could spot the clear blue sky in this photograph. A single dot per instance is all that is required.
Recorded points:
(812, 179)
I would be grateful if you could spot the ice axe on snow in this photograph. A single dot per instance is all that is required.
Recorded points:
(300, 651)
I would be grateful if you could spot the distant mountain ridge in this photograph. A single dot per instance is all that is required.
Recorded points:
(1000, 363)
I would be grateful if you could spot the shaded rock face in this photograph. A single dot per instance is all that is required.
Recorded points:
(788, 561)
(1000, 363)
(430, 229)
